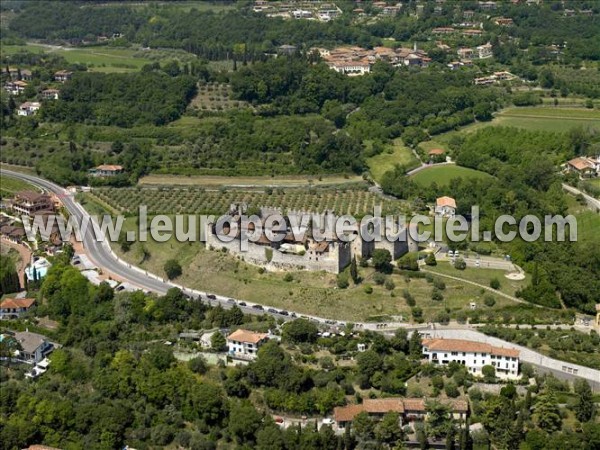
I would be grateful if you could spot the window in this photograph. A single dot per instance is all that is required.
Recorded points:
(454, 353)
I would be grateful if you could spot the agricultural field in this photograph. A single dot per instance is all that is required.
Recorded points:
(307, 292)
(548, 118)
(215, 97)
(9, 186)
(398, 153)
(275, 181)
(195, 200)
(443, 174)
(104, 58)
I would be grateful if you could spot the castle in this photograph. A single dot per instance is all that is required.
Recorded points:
(292, 252)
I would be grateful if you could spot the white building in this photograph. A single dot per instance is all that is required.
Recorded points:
(445, 207)
(485, 51)
(244, 344)
(28, 109)
(473, 355)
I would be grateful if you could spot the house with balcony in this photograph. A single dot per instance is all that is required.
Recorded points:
(445, 207)
(474, 356)
(13, 308)
(31, 203)
(244, 344)
(27, 109)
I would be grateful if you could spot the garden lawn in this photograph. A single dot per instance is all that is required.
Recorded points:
(396, 154)
(443, 174)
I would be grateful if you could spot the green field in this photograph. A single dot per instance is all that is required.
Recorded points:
(548, 118)
(443, 174)
(103, 58)
(9, 186)
(481, 275)
(396, 154)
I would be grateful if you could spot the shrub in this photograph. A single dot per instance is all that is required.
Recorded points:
(172, 269)
(495, 283)
(379, 278)
(437, 295)
(430, 260)
(368, 289)
(342, 281)
(489, 300)
(438, 283)
(288, 277)
(390, 285)
(460, 264)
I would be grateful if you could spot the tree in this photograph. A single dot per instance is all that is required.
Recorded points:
(244, 422)
(415, 347)
(460, 264)
(488, 372)
(198, 365)
(409, 262)
(547, 413)
(430, 259)
(172, 269)
(382, 260)
(354, 271)
(218, 342)
(363, 427)
(270, 438)
(388, 429)
(495, 283)
(489, 300)
(439, 420)
(342, 280)
(368, 363)
(300, 331)
(584, 407)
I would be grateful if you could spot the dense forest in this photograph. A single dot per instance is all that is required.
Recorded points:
(122, 100)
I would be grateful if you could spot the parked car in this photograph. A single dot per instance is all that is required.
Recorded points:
(231, 301)
(284, 313)
(242, 303)
(272, 311)
(258, 307)
(211, 296)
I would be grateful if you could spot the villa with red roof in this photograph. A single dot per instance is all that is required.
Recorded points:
(244, 344)
(13, 308)
(473, 355)
(445, 207)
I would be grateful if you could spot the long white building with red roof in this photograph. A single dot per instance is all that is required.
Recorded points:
(473, 355)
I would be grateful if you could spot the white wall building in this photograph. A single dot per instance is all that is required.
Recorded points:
(244, 344)
(473, 355)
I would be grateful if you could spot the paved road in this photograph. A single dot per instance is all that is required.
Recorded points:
(101, 255)
(592, 202)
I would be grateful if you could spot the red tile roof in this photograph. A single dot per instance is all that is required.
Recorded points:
(460, 345)
(445, 201)
(15, 303)
(437, 151)
(246, 336)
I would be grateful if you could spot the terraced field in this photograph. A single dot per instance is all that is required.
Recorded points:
(193, 200)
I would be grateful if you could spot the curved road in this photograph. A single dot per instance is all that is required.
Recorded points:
(101, 255)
